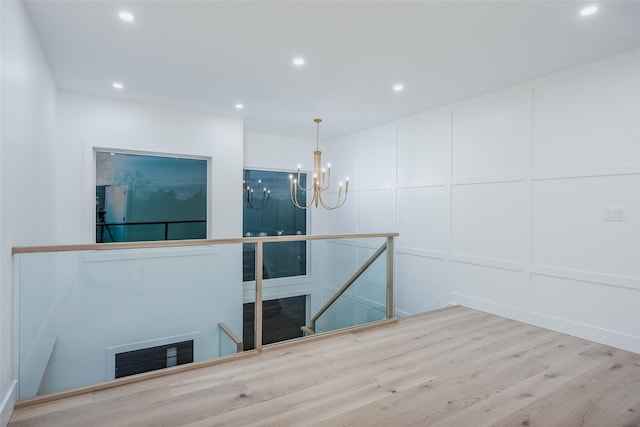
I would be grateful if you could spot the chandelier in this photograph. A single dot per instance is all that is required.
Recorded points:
(249, 194)
(321, 181)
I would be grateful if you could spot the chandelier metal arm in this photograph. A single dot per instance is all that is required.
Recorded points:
(306, 190)
(339, 202)
(294, 199)
(321, 181)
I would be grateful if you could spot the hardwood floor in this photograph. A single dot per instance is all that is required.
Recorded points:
(453, 367)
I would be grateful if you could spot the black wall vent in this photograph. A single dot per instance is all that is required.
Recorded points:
(152, 358)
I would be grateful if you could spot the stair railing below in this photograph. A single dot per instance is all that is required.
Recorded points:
(386, 246)
(238, 342)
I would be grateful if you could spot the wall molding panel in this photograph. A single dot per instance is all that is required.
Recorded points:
(469, 180)
(587, 276)
(422, 253)
(588, 172)
(487, 262)
(501, 202)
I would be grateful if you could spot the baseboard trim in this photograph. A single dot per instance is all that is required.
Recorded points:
(564, 326)
(7, 405)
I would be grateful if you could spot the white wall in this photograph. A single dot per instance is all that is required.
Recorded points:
(87, 121)
(28, 192)
(499, 201)
(273, 152)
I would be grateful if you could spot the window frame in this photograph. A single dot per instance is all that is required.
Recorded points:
(283, 281)
(90, 170)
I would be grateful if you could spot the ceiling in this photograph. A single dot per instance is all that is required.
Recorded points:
(210, 55)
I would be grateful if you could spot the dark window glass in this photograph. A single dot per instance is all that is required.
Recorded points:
(281, 320)
(144, 198)
(268, 211)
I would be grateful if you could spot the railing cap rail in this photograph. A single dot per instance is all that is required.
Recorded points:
(194, 242)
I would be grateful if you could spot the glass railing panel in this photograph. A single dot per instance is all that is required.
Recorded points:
(280, 260)
(340, 262)
(287, 288)
(283, 317)
(290, 304)
(362, 302)
(44, 281)
(91, 316)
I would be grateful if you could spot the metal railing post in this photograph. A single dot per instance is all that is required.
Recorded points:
(258, 305)
(390, 308)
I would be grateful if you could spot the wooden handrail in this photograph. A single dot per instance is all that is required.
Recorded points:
(347, 284)
(224, 328)
(193, 242)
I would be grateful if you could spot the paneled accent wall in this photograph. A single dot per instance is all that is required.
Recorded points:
(523, 202)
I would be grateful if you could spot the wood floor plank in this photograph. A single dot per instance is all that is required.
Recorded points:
(631, 416)
(454, 376)
(340, 360)
(496, 407)
(453, 367)
(576, 404)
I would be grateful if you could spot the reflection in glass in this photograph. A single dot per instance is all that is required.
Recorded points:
(275, 217)
(145, 198)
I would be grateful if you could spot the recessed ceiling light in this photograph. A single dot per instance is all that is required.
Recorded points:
(239, 106)
(398, 87)
(126, 16)
(298, 62)
(589, 10)
(117, 85)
